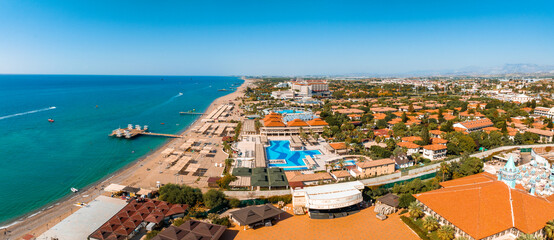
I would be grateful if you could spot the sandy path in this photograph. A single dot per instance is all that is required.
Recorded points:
(39, 223)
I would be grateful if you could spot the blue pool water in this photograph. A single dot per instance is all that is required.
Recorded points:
(288, 111)
(350, 162)
(281, 150)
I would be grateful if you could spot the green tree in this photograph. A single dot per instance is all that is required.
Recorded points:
(226, 180)
(440, 116)
(381, 124)
(549, 230)
(405, 200)
(182, 194)
(526, 236)
(425, 137)
(404, 117)
(214, 198)
(234, 203)
(415, 210)
(151, 234)
(445, 232)
(430, 224)
(224, 221)
(178, 222)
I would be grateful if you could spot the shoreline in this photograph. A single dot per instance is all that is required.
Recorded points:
(38, 221)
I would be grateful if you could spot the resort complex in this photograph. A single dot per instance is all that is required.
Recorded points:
(398, 158)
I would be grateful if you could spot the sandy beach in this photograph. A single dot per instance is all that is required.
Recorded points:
(139, 173)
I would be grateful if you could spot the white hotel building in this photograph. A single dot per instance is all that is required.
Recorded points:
(328, 201)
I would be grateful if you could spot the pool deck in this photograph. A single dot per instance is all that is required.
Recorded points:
(362, 225)
(281, 149)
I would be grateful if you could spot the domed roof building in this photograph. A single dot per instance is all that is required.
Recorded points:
(509, 173)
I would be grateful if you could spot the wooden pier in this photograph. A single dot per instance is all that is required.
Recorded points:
(131, 133)
(191, 113)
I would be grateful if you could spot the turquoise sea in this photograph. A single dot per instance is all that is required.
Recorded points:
(40, 161)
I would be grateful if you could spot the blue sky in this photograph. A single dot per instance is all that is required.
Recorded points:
(270, 37)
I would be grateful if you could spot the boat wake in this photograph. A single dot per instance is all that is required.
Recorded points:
(28, 112)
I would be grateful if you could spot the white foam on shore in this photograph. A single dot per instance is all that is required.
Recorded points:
(28, 112)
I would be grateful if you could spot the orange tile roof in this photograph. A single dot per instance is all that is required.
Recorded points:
(379, 116)
(435, 147)
(490, 129)
(299, 177)
(338, 146)
(297, 123)
(395, 121)
(436, 132)
(341, 174)
(438, 141)
(482, 206)
(349, 111)
(382, 109)
(409, 145)
(541, 132)
(411, 139)
(272, 123)
(374, 163)
(317, 122)
(479, 123)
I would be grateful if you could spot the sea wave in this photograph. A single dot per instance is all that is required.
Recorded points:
(28, 112)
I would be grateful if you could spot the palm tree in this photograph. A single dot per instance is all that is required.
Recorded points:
(549, 230)
(415, 210)
(526, 236)
(341, 164)
(430, 224)
(445, 232)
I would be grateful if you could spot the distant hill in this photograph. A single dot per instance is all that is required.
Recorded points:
(507, 69)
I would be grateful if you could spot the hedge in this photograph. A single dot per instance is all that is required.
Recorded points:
(422, 234)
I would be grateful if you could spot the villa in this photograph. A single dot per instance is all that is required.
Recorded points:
(475, 125)
(545, 135)
(374, 168)
(411, 147)
(434, 151)
(546, 112)
(402, 161)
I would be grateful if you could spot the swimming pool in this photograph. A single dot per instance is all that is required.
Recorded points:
(294, 159)
(288, 111)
